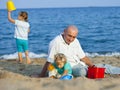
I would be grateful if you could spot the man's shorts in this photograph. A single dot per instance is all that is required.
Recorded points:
(22, 45)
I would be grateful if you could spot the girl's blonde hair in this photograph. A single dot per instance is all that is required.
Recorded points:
(24, 15)
(61, 57)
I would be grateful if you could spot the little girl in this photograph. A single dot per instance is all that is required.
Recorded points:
(61, 67)
(21, 34)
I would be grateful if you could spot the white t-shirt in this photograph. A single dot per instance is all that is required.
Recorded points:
(21, 30)
(73, 51)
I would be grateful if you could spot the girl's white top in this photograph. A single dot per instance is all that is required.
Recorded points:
(21, 29)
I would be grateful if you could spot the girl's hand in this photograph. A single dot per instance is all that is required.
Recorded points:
(9, 11)
(10, 18)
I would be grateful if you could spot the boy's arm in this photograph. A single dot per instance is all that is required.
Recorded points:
(28, 30)
(9, 17)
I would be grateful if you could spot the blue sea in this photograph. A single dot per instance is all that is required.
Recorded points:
(99, 30)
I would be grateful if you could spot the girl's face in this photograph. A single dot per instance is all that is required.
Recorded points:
(59, 63)
(20, 18)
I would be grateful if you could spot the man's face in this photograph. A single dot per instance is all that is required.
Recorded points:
(70, 35)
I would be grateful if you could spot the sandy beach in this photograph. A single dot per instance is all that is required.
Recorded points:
(15, 76)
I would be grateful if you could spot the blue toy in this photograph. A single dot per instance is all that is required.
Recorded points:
(66, 77)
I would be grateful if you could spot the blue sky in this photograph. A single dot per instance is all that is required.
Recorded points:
(59, 3)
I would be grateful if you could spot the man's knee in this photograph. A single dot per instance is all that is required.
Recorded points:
(80, 73)
(79, 70)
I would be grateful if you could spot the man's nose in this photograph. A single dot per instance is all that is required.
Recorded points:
(71, 39)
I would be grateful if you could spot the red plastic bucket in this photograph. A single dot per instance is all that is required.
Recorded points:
(95, 72)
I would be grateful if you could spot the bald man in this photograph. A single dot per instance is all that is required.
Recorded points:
(68, 44)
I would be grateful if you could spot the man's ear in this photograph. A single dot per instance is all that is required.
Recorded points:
(64, 31)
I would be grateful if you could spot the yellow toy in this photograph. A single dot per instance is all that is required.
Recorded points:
(53, 72)
(10, 5)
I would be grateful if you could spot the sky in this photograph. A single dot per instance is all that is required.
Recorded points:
(59, 3)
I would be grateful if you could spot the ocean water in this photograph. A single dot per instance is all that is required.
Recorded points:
(99, 30)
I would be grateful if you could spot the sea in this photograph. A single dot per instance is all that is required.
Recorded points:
(99, 30)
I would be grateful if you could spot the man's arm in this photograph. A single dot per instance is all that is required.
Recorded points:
(51, 53)
(87, 61)
(10, 18)
(44, 70)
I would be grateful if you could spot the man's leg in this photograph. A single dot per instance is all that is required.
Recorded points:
(79, 70)
(109, 68)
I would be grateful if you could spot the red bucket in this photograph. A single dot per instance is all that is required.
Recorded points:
(95, 72)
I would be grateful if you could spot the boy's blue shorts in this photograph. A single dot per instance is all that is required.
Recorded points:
(22, 45)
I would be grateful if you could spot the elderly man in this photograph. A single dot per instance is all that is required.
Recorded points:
(68, 44)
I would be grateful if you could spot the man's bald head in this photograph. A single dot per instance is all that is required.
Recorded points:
(70, 33)
(71, 28)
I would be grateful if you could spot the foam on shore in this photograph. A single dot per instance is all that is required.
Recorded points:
(34, 55)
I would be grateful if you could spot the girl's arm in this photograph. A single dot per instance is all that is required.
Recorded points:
(28, 30)
(67, 69)
(9, 17)
(65, 72)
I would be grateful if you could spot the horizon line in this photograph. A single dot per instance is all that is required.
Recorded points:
(63, 7)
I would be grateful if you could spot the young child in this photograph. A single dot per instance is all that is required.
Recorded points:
(21, 34)
(60, 67)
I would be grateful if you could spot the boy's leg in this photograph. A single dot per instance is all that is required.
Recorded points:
(27, 57)
(25, 47)
(19, 48)
(20, 57)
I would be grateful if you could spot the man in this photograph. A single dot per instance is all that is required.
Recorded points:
(68, 44)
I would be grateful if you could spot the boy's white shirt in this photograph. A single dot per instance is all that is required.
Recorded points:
(21, 29)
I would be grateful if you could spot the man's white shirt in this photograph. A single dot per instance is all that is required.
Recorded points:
(73, 51)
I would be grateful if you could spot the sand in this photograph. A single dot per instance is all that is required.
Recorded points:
(15, 76)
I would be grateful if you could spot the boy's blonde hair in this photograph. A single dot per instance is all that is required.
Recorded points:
(61, 57)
